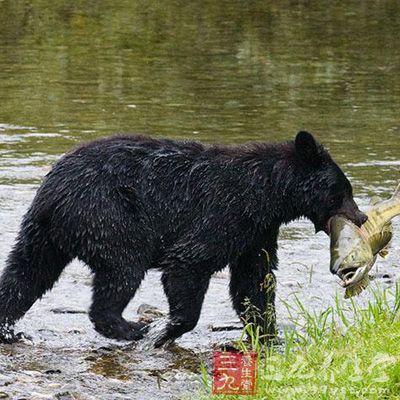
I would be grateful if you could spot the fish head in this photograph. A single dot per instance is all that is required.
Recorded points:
(351, 254)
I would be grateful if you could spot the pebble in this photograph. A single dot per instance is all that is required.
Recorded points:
(39, 396)
(32, 373)
(67, 310)
(148, 313)
(224, 328)
(65, 396)
(54, 385)
(53, 371)
(75, 332)
(383, 275)
(91, 358)
(292, 284)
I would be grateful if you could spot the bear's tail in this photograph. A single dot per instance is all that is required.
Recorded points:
(33, 266)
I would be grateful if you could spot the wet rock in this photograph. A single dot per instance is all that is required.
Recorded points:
(292, 284)
(388, 281)
(4, 395)
(67, 310)
(4, 383)
(227, 346)
(148, 313)
(32, 373)
(54, 385)
(226, 327)
(53, 371)
(47, 333)
(104, 349)
(75, 332)
(65, 396)
(383, 275)
(40, 396)
(91, 358)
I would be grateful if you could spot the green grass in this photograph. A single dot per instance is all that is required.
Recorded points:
(346, 352)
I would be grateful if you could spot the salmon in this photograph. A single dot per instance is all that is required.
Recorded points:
(354, 249)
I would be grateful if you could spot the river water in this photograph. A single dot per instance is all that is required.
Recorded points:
(213, 71)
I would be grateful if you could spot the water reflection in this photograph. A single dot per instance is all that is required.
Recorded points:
(226, 71)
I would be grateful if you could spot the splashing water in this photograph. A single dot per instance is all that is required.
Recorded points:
(156, 329)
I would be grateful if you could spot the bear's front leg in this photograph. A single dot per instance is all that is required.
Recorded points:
(252, 290)
(185, 287)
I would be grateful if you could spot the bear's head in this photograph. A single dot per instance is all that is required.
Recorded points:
(324, 188)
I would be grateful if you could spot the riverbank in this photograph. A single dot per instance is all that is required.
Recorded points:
(347, 352)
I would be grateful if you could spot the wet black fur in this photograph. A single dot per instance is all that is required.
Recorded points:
(126, 204)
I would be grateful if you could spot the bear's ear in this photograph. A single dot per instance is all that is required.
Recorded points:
(306, 147)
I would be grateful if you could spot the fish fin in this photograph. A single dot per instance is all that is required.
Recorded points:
(375, 200)
(397, 192)
(386, 238)
(356, 289)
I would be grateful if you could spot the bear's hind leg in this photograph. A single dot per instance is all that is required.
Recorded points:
(32, 268)
(112, 291)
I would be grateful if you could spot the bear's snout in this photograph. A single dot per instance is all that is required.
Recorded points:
(351, 211)
(363, 218)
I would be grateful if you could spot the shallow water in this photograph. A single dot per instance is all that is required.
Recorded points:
(212, 71)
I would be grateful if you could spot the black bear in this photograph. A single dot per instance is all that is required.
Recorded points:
(126, 204)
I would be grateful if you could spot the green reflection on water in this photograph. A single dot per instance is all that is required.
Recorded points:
(226, 71)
